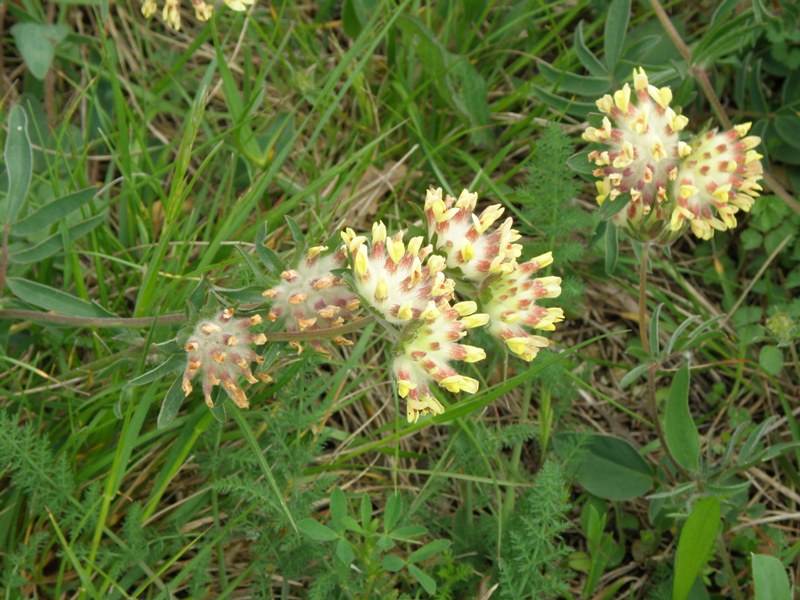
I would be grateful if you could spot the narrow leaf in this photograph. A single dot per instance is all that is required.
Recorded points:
(612, 248)
(171, 404)
(586, 56)
(616, 25)
(679, 428)
(55, 243)
(52, 212)
(426, 581)
(172, 364)
(50, 298)
(428, 550)
(19, 162)
(316, 530)
(695, 544)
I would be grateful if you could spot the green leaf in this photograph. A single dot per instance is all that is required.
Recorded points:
(586, 56)
(172, 364)
(19, 162)
(298, 236)
(392, 563)
(607, 466)
(266, 255)
(696, 541)
(52, 212)
(580, 163)
(391, 514)
(409, 531)
(316, 530)
(37, 45)
(561, 103)
(345, 551)
(338, 505)
(366, 511)
(612, 248)
(428, 550)
(769, 578)
(680, 430)
(55, 243)
(771, 359)
(426, 581)
(50, 298)
(616, 25)
(570, 83)
(171, 404)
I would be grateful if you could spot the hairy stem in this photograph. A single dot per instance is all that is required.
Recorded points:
(651, 372)
(171, 319)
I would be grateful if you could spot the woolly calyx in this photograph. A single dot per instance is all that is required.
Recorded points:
(718, 179)
(220, 348)
(426, 353)
(402, 282)
(510, 300)
(312, 297)
(641, 154)
(462, 235)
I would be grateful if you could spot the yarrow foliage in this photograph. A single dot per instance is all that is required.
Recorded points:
(668, 183)
(406, 285)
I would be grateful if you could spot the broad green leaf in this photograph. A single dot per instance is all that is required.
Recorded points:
(607, 466)
(769, 578)
(428, 550)
(345, 551)
(316, 530)
(55, 243)
(366, 511)
(580, 163)
(392, 563)
(409, 531)
(617, 18)
(37, 45)
(50, 298)
(171, 404)
(19, 162)
(426, 581)
(172, 364)
(696, 541)
(42, 218)
(391, 514)
(679, 427)
(338, 506)
(771, 359)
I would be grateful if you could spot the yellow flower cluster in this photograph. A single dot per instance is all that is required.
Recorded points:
(171, 11)
(667, 183)
(220, 348)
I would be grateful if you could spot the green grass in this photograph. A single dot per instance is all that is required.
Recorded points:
(219, 152)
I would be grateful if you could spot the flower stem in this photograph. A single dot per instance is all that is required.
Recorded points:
(651, 372)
